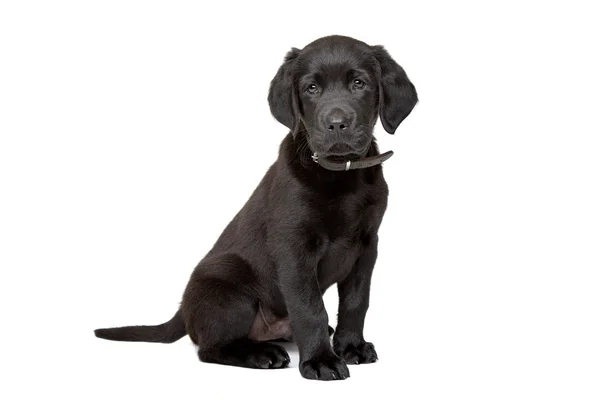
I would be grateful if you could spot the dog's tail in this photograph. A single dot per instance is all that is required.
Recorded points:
(168, 332)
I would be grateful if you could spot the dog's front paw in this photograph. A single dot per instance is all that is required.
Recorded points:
(360, 352)
(325, 367)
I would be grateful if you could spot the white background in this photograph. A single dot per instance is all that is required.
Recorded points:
(115, 115)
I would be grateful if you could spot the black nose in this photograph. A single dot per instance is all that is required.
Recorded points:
(337, 121)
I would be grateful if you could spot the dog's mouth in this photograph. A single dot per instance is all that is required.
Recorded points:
(342, 152)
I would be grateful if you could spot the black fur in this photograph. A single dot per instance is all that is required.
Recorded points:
(304, 228)
(168, 332)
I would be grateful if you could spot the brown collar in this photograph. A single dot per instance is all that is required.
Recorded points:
(348, 165)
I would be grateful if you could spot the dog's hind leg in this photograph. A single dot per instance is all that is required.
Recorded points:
(219, 307)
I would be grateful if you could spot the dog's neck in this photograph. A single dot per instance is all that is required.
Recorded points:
(371, 157)
(360, 163)
(296, 153)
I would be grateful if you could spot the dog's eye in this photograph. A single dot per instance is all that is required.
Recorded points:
(358, 84)
(312, 89)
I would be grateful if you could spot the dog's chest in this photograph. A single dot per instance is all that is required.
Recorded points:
(345, 225)
(337, 262)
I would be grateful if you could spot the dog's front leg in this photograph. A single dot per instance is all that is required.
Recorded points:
(299, 285)
(348, 340)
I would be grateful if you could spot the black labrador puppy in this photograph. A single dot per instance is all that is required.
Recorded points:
(312, 222)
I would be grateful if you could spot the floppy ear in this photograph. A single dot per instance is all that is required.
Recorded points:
(397, 95)
(281, 92)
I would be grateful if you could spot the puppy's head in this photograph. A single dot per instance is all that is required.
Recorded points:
(334, 89)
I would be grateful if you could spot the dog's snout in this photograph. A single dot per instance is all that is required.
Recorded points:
(337, 120)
